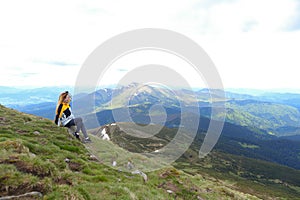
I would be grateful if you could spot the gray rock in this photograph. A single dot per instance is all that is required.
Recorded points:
(145, 177)
(130, 165)
(29, 195)
(93, 157)
(36, 133)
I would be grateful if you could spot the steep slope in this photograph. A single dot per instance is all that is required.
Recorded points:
(38, 156)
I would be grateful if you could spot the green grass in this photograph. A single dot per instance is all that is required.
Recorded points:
(259, 178)
(267, 116)
(252, 176)
(31, 161)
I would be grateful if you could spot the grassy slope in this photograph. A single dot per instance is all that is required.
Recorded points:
(257, 177)
(267, 116)
(32, 158)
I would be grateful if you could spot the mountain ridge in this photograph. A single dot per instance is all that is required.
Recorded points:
(216, 162)
(36, 155)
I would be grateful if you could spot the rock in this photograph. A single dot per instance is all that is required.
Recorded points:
(36, 133)
(145, 177)
(93, 157)
(104, 134)
(29, 195)
(130, 165)
(105, 137)
(199, 198)
(170, 191)
(32, 155)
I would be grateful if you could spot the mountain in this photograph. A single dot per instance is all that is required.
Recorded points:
(292, 138)
(252, 128)
(40, 160)
(260, 178)
(277, 119)
(14, 97)
(244, 110)
(8, 90)
(45, 109)
(234, 139)
(291, 99)
(278, 113)
(249, 122)
(250, 116)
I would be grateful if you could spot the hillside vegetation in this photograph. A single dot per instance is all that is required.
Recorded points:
(263, 179)
(38, 156)
(264, 115)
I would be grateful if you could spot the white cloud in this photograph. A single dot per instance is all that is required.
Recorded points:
(232, 16)
(153, 58)
(257, 60)
(248, 40)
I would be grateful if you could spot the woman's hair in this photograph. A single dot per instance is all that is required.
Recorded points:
(62, 97)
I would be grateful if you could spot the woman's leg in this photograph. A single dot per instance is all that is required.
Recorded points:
(80, 126)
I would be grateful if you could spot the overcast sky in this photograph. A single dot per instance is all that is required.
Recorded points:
(253, 43)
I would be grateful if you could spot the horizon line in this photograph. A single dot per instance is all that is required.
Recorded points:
(111, 86)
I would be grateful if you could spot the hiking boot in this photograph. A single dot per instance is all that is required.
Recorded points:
(76, 135)
(87, 140)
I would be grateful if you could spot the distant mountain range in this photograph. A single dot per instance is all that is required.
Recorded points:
(276, 113)
(18, 97)
(250, 120)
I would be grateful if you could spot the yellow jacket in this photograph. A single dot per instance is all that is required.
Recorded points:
(63, 114)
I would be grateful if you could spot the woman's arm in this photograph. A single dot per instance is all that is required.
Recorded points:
(58, 113)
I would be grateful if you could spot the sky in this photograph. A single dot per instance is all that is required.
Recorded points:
(253, 43)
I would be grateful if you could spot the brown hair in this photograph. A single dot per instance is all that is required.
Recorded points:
(61, 98)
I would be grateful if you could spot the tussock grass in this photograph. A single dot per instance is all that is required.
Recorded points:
(36, 155)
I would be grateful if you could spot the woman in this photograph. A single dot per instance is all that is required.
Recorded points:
(64, 116)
